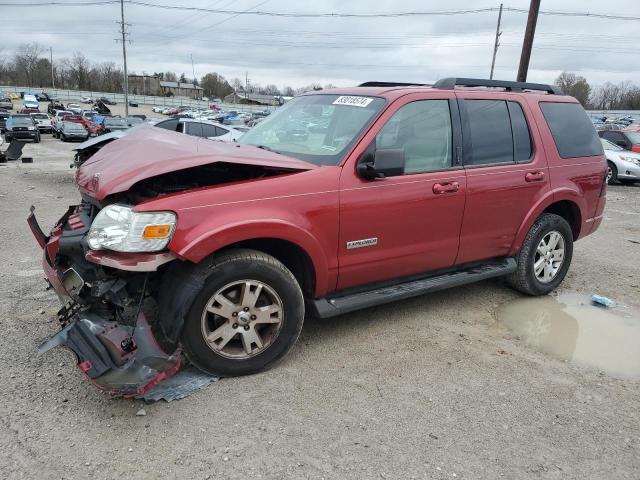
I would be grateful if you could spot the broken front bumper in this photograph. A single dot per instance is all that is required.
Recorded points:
(121, 359)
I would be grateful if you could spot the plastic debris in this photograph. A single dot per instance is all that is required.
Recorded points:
(602, 301)
(184, 383)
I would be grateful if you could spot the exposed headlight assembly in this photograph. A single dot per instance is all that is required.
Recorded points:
(119, 228)
(630, 159)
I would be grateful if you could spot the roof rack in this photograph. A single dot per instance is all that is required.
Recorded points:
(393, 84)
(451, 83)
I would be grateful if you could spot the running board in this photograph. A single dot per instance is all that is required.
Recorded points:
(332, 306)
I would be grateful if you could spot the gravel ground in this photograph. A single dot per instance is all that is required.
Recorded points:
(427, 388)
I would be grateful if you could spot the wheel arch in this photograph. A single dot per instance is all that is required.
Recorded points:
(567, 204)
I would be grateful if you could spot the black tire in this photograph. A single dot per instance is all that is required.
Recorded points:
(524, 278)
(211, 275)
(611, 167)
(36, 139)
(7, 138)
(63, 137)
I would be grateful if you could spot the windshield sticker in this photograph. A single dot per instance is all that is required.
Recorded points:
(353, 101)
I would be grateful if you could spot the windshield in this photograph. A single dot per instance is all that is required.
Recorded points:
(315, 128)
(134, 120)
(22, 121)
(40, 115)
(115, 122)
(73, 126)
(607, 145)
(633, 136)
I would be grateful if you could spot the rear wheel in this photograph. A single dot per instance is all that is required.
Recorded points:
(612, 173)
(545, 256)
(247, 314)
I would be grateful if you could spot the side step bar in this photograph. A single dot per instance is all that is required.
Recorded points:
(337, 305)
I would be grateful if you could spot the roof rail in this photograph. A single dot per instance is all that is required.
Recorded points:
(393, 84)
(451, 83)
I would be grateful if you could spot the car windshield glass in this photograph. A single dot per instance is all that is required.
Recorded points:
(633, 136)
(134, 120)
(316, 128)
(115, 122)
(73, 126)
(41, 116)
(607, 145)
(22, 121)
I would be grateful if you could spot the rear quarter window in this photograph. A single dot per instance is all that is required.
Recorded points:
(573, 132)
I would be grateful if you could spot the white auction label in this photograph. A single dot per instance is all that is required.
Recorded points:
(353, 101)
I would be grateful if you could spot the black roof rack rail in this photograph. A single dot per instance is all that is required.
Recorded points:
(450, 83)
(393, 84)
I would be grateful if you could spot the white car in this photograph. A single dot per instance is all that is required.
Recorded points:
(56, 121)
(75, 108)
(201, 128)
(86, 100)
(158, 109)
(622, 165)
(43, 122)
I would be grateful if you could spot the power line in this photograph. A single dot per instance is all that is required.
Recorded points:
(325, 14)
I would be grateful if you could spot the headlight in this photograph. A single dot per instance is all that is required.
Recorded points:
(119, 228)
(31, 128)
(630, 159)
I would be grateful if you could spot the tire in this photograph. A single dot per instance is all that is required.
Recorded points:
(226, 273)
(7, 138)
(36, 139)
(524, 279)
(63, 137)
(612, 173)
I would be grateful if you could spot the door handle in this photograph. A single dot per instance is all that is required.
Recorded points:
(449, 187)
(534, 176)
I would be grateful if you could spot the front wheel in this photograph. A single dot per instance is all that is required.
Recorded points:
(545, 256)
(247, 314)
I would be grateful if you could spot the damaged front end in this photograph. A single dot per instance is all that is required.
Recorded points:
(106, 302)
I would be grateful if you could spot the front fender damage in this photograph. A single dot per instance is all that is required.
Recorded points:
(119, 359)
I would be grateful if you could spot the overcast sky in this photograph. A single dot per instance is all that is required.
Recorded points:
(342, 51)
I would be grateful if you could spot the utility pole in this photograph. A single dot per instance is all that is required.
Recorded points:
(53, 78)
(246, 85)
(193, 70)
(496, 44)
(124, 57)
(527, 44)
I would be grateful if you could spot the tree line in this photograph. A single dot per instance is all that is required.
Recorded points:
(30, 66)
(609, 96)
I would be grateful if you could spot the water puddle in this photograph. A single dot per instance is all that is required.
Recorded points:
(570, 328)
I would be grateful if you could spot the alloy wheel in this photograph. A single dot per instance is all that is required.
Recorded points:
(549, 257)
(242, 319)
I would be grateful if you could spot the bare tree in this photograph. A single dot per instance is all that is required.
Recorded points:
(170, 77)
(574, 85)
(26, 61)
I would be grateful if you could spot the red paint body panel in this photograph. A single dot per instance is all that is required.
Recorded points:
(150, 151)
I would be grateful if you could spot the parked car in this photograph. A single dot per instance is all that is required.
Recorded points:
(629, 140)
(43, 122)
(21, 127)
(133, 121)
(609, 126)
(158, 109)
(56, 120)
(43, 97)
(73, 131)
(30, 101)
(53, 106)
(29, 110)
(107, 101)
(111, 124)
(6, 103)
(233, 241)
(14, 96)
(3, 120)
(132, 103)
(622, 165)
(75, 108)
(86, 99)
(201, 128)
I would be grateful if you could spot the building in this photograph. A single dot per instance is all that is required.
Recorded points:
(252, 99)
(144, 85)
(178, 89)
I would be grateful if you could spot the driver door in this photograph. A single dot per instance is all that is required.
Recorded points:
(410, 223)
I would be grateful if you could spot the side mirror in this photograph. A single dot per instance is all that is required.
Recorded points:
(387, 162)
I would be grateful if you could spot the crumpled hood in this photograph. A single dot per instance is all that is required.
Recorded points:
(152, 151)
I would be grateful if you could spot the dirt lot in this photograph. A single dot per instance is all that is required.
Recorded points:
(428, 388)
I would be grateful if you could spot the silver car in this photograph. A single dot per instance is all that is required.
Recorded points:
(622, 165)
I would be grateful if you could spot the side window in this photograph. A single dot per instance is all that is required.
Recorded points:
(572, 131)
(170, 124)
(522, 149)
(423, 130)
(221, 131)
(193, 128)
(208, 130)
(490, 131)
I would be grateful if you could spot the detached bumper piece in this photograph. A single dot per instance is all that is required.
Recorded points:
(121, 360)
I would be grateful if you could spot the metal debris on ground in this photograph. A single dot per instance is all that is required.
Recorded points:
(602, 301)
(183, 384)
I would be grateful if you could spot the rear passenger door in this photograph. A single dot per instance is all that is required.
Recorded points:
(506, 168)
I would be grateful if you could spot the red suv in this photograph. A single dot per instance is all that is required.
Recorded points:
(340, 200)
